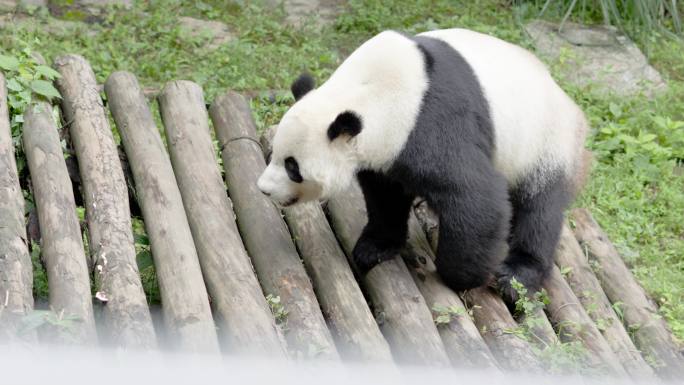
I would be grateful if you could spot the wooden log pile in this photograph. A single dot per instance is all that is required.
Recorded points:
(237, 275)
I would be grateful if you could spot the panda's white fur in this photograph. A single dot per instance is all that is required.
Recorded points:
(473, 124)
(387, 95)
(535, 122)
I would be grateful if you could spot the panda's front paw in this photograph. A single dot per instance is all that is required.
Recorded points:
(530, 278)
(369, 252)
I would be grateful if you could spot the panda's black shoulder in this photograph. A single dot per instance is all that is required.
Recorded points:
(454, 94)
(453, 113)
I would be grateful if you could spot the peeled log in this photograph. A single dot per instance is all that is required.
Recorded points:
(491, 314)
(61, 243)
(462, 340)
(650, 331)
(588, 290)
(16, 269)
(356, 333)
(126, 317)
(244, 320)
(573, 323)
(400, 309)
(495, 323)
(185, 304)
(264, 232)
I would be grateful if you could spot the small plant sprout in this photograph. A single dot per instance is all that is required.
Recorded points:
(558, 357)
(442, 315)
(278, 310)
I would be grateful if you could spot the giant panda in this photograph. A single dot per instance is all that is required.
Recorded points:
(474, 125)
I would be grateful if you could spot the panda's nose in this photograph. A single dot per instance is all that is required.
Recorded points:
(261, 186)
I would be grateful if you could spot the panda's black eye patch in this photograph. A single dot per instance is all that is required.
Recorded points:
(292, 168)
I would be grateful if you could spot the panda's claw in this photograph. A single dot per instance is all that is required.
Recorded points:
(369, 252)
(530, 278)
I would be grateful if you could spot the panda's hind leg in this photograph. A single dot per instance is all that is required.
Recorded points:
(535, 230)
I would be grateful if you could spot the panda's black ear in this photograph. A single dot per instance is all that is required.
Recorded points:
(346, 123)
(304, 83)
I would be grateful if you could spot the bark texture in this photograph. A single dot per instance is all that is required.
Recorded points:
(126, 317)
(462, 340)
(185, 303)
(496, 323)
(244, 320)
(345, 309)
(264, 232)
(61, 243)
(650, 331)
(588, 290)
(574, 324)
(16, 270)
(399, 307)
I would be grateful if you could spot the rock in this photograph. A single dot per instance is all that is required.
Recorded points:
(216, 32)
(14, 5)
(299, 11)
(598, 55)
(51, 25)
(91, 11)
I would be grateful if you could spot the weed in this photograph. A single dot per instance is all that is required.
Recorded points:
(145, 262)
(557, 357)
(278, 310)
(443, 315)
(39, 318)
(40, 282)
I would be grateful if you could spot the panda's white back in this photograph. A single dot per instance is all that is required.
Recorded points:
(535, 122)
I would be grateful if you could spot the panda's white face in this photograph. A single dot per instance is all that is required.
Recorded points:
(305, 165)
(359, 119)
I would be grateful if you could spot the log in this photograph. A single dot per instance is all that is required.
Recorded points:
(61, 243)
(399, 307)
(185, 304)
(588, 290)
(16, 269)
(543, 334)
(574, 324)
(264, 232)
(356, 333)
(650, 331)
(496, 326)
(462, 340)
(126, 317)
(244, 319)
(499, 321)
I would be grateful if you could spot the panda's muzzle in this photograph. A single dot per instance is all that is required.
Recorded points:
(291, 202)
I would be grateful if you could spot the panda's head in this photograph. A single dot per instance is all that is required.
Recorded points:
(313, 153)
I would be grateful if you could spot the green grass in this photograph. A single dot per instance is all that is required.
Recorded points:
(636, 190)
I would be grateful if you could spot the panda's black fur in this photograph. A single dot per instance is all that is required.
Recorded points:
(447, 160)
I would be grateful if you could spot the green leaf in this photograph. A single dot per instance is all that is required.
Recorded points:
(44, 88)
(9, 63)
(144, 260)
(48, 72)
(14, 85)
(142, 239)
